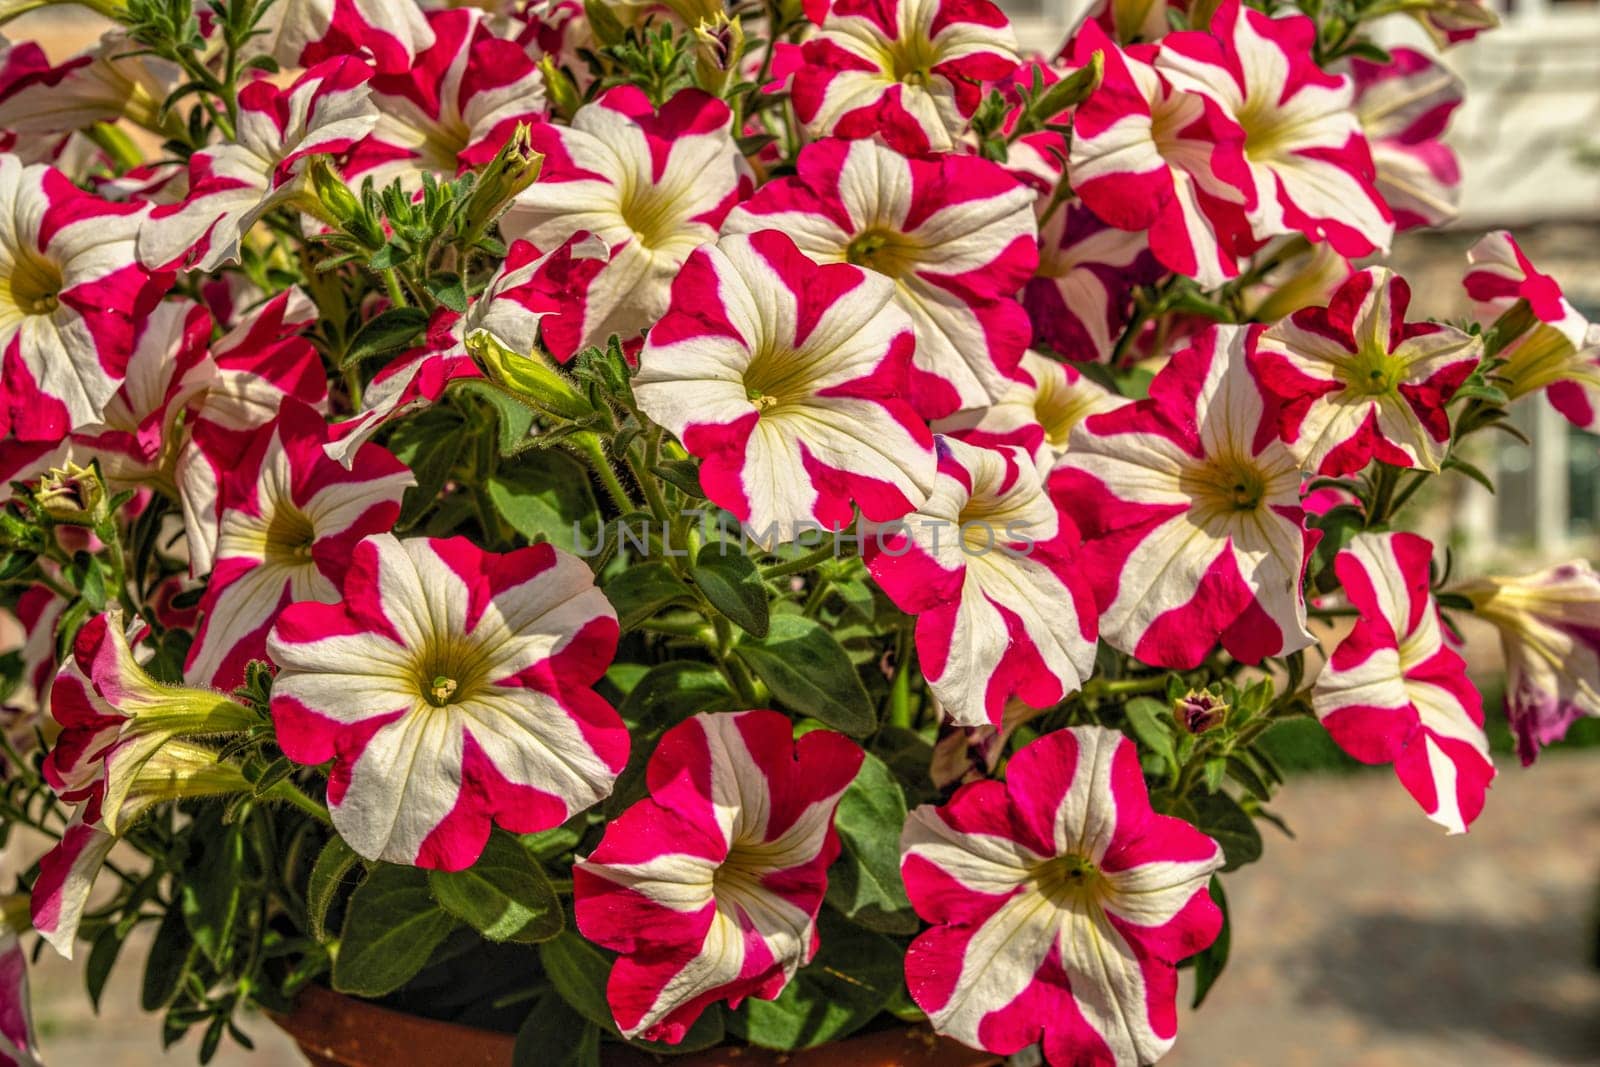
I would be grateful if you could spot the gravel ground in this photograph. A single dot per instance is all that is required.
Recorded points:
(1371, 940)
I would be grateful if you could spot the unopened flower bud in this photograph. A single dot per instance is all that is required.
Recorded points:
(530, 377)
(515, 167)
(560, 89)
(719, 46)
(71, 493)
(1199, 710)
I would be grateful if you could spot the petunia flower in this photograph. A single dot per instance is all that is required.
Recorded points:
(303, 33)
(909, 71)
(1549, 624)
(1038, 409)
(71, 298)
(1080, 298)
(1394, 692)
(1307, 157)
(787, 379)
(471, 669)
(451, 108)
(107, 82)
(1060, 904)
(1356, 382)
(986, 566)
(1152, 158)
(290, 516)
(652, 185)
(18, 1047)
(1557, 351)
(956, 233)
(1189, 507)
(710, 887)
(1404, 106)
(232, 185)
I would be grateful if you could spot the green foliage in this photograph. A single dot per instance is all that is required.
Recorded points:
(864, 884)
(391, 930)
(505, 895)
(810, 674)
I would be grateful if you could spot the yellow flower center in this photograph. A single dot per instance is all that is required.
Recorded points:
(884, 251)
(909, 59)
(31, 287)
(1069, 881)
(450, 670)
(649, 213)
(289, 537)
(1225, 485)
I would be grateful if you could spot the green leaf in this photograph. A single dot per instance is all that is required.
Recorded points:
(553, 1035)
(102, 957)
(1208, 965)
(640, 591)
(808, 671)
(428, 442)
(392, 928)
(852, 978)
(546, 496)
(732, 583)
(864, 883)
(392, 331)
(578, 971)
(1151, 721)
(213, 886)
(671, 692)
(167, 963)
(1221, 818)
(448, 290)
(327, 875)
(683, 475)
(505, 895)
(513, 418)
(1456, 463)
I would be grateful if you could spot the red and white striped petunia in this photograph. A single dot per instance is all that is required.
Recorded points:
(1042, 403)
(1151, 158)
(290, 516)
(710, 887)
(470, 668)
(72, 294)
(652, 185)
(1404, 106)
(1559, 352)
(105, 83)
(232, 185)
(1395, 692)
(1189, 506)
(1355, 382)
(1309, 161)
(18, 1047)
(986, 566)
(1061, 903)
(909, 71)
(453, 108)
(788, 380)
(303, 33)
(956, 233)
(1080, 298)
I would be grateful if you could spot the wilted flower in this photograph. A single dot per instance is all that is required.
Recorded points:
(1199, 710)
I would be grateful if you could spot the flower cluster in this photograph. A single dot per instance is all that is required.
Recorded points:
(746, 502)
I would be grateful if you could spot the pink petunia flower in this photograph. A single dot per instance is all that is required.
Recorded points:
(71, 297)
(232, 185)
(470, 668)
(303, 33)
(1404, 106)
(1395, 692)
(787, 378)
(909, 71)
(1061, 903)
(290, 517)
(1308, 160)
(18, 1047)
(956, 233)
(986, 566)
(652, 185)
(1080, 299)
(710, 887)
(1041, 404)
(104, 83)
(1189, 506)
(1356, 382)
(453, 108)
(1150, 157)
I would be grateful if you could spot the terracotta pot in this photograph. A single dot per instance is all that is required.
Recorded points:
(334, 1030)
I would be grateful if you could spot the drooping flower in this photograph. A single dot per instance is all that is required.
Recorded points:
(1080, 298)
(71, 298)
(452, 108)
(1452, 22)
(18, 1047)
(107, 82)
(1189, 506)
(1549, 624)
(786, 378)
(1041, 404)
(710, 887)
(1395, 692)
(986, 566)
(1404, 106)
(303, 33)
(290, 516)
(653, 186)
(909, 71)
(232, 185)
(1356, 382)
(472, 669)
(1558, 351)
(1309, 161)
(1061, 904)
(956, 233)
(1151, 158)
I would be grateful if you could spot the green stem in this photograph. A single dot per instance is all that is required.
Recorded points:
(818, 555)
(588, 446)
(1109, 687)
(900, 687)
(290, 794)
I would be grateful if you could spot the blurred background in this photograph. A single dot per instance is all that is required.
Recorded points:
(1369, 939)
